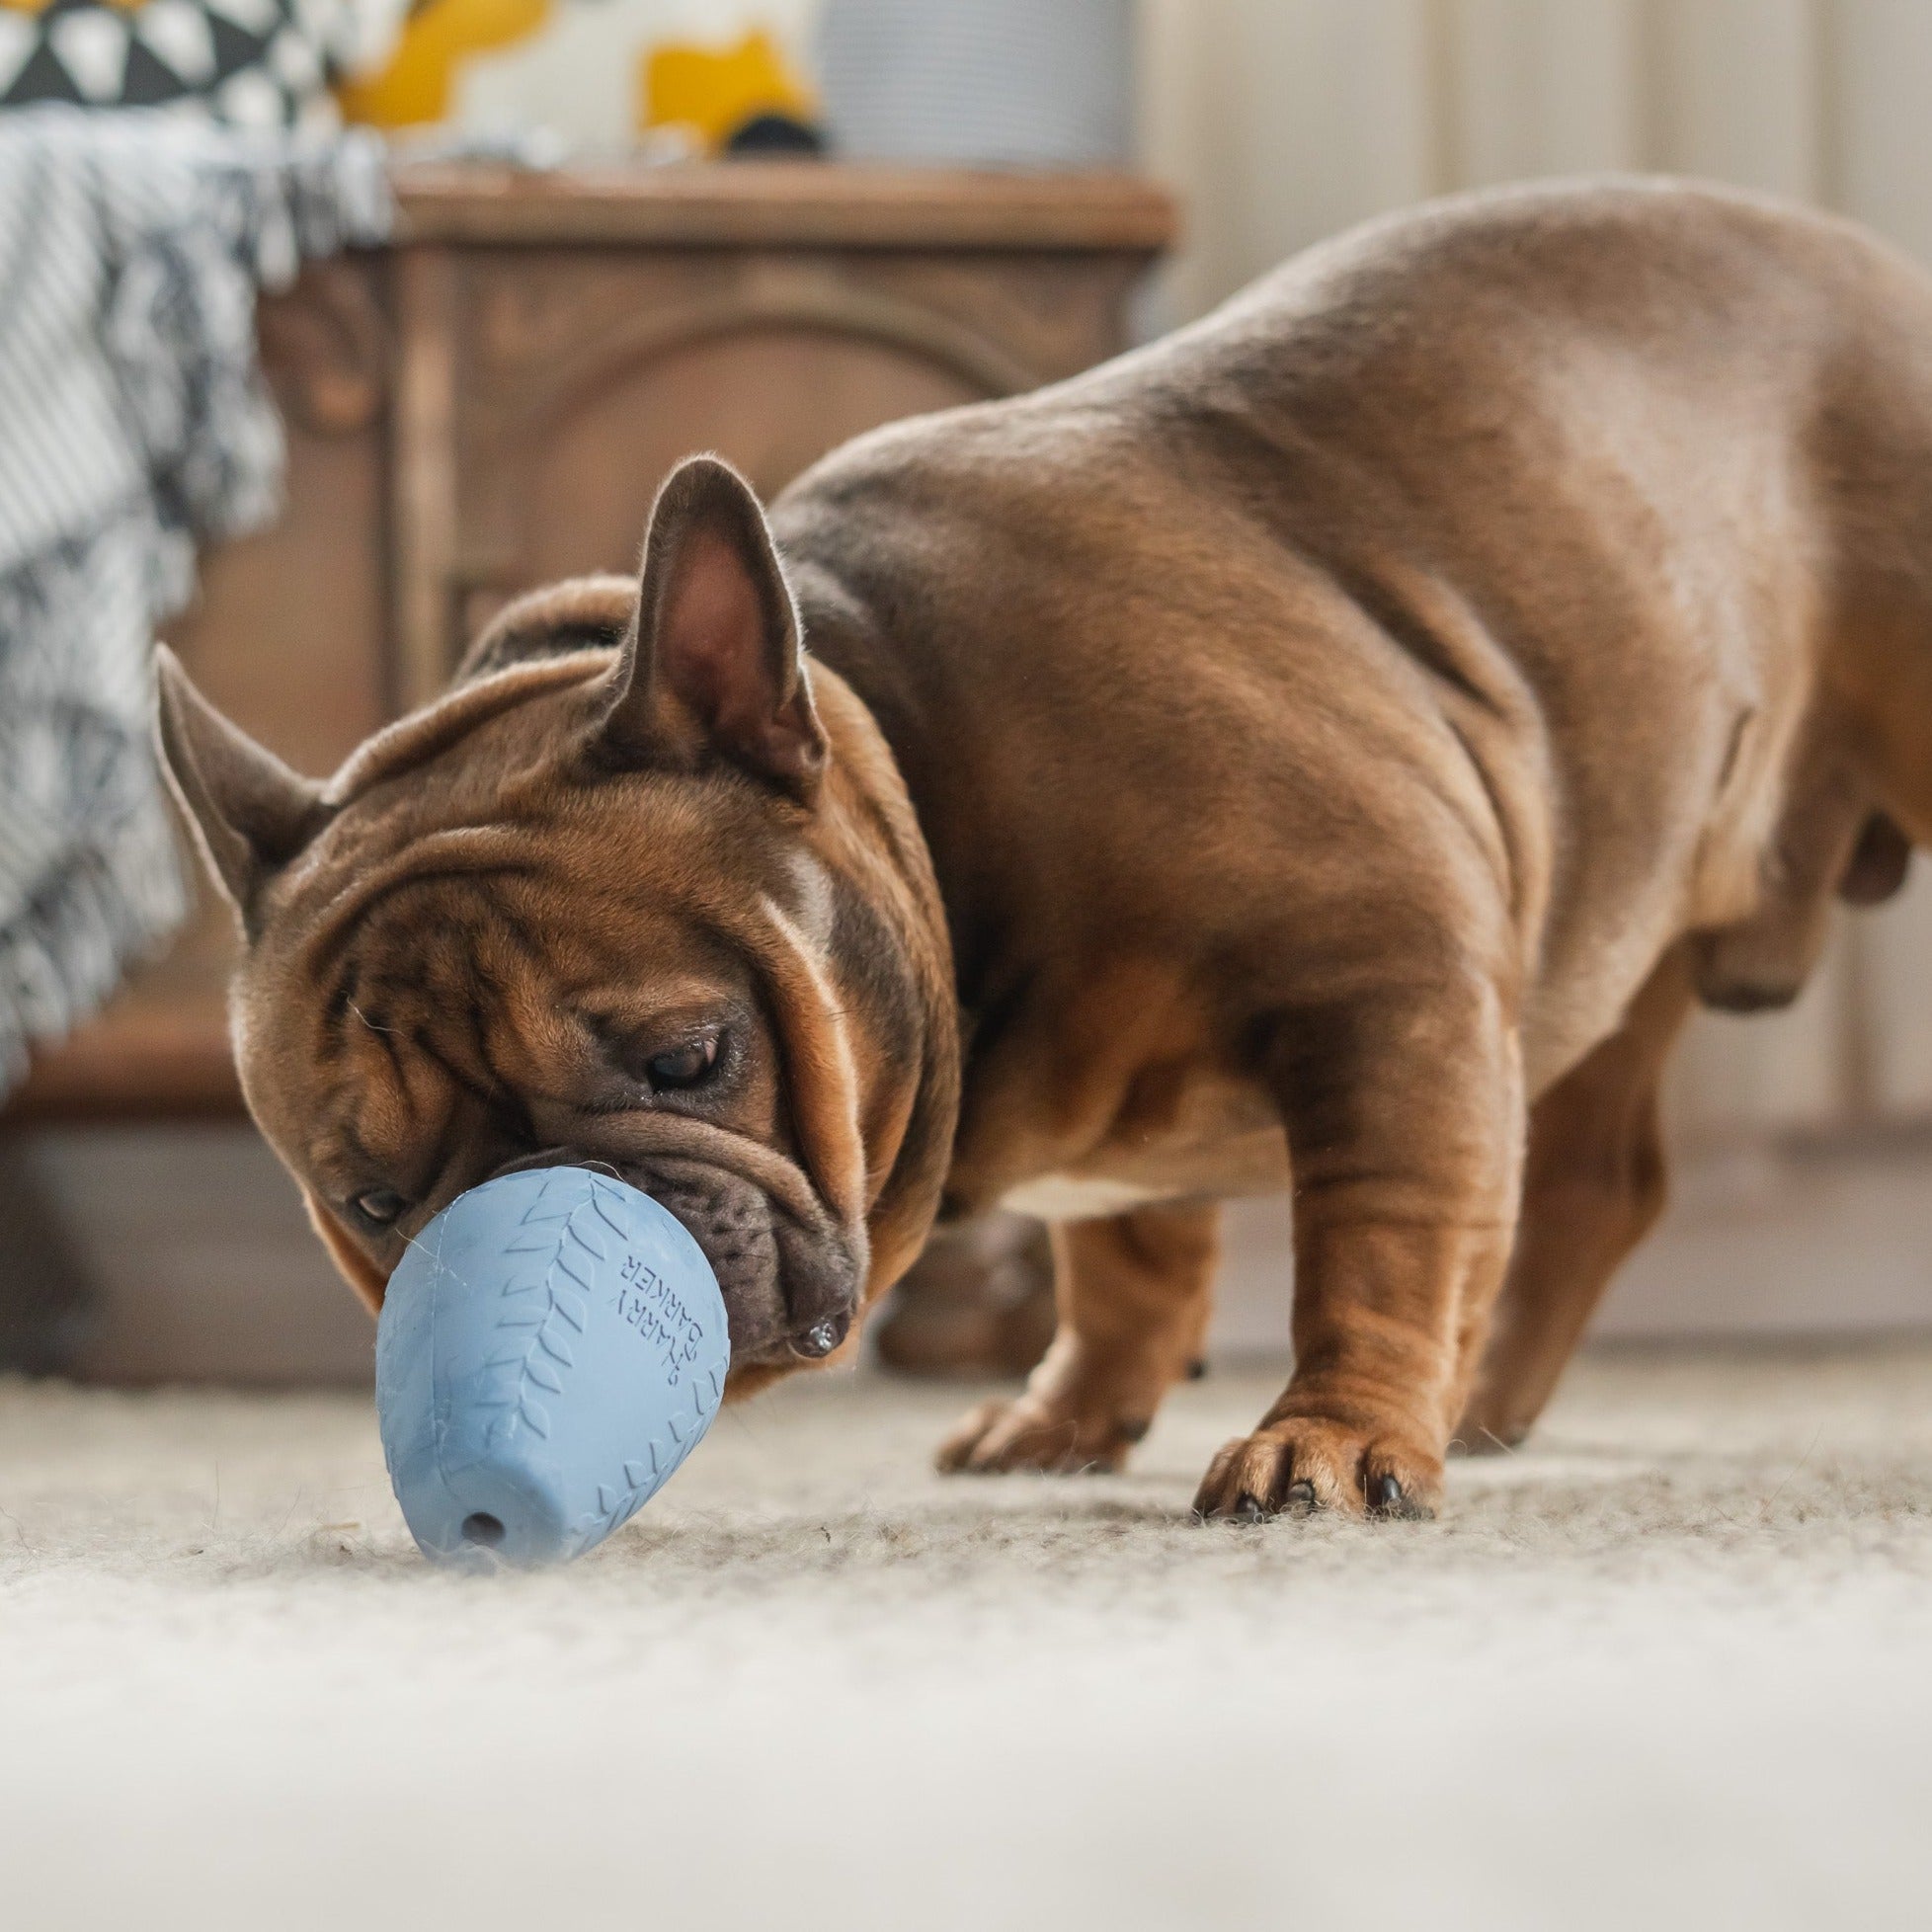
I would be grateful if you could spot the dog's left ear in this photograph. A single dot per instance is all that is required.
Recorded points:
(712, 664)
(250, 812)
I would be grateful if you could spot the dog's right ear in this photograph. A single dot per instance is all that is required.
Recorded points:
(713, 663)
(251, 814)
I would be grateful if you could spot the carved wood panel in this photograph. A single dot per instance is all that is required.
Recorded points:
(583, 376)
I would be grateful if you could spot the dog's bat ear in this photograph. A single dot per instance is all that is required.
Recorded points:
(712, 663)
(251, 814)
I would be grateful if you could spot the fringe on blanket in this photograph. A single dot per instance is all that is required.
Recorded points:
(133, 423)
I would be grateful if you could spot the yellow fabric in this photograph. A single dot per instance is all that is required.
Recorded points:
(415, 86)
(714, 91)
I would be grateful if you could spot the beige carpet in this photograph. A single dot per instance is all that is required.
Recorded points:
(1672, 1667)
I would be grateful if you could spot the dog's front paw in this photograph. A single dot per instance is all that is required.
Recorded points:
(1303, 1463)
(1031, 1431)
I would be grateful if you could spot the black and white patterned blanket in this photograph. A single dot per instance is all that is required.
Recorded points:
(134, 422)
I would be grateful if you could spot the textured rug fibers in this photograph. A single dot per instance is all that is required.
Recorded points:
(1670, 1665)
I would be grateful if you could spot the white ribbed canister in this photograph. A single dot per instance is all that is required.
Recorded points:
(989, 83)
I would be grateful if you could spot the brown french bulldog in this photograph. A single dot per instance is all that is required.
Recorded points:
(1342, 739)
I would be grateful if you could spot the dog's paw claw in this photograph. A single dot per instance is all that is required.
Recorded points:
(1300, 1465)
(1387, 1498)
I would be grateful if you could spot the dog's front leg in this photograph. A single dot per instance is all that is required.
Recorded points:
(1132, 1293)
(1406, 1123)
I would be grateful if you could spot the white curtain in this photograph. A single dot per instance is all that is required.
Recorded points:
(1279, 121)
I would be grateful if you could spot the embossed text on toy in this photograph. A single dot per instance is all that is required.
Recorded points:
(651, 1306)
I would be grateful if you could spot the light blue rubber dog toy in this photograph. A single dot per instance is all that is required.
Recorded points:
(550, 1349)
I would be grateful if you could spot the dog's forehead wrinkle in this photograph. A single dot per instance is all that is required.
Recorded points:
(422, 886)
(445, 732)
(362, 1132)
(395, 993)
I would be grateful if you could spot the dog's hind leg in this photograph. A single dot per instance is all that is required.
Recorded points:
(1593, 1185)
(1133, 1299)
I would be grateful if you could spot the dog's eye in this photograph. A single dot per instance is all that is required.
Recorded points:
(683, 1065)
(378, 1208)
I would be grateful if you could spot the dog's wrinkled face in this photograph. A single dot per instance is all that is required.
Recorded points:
(581, 910)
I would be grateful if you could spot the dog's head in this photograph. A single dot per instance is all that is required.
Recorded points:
(636, 893)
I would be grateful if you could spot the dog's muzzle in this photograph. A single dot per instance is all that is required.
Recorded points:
(789, 1289)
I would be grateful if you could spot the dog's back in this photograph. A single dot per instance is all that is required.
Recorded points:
(1605, 511)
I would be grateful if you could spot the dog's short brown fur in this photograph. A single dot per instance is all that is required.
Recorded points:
(1344, 738)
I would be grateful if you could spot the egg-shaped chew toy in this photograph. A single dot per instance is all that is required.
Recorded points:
(550, 1349)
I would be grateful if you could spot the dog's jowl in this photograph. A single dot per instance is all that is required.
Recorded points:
(1333, 748)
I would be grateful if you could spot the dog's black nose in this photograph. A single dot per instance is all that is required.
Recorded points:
(821, 1338)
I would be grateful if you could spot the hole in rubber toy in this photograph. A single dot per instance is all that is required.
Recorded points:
(483, 1528)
